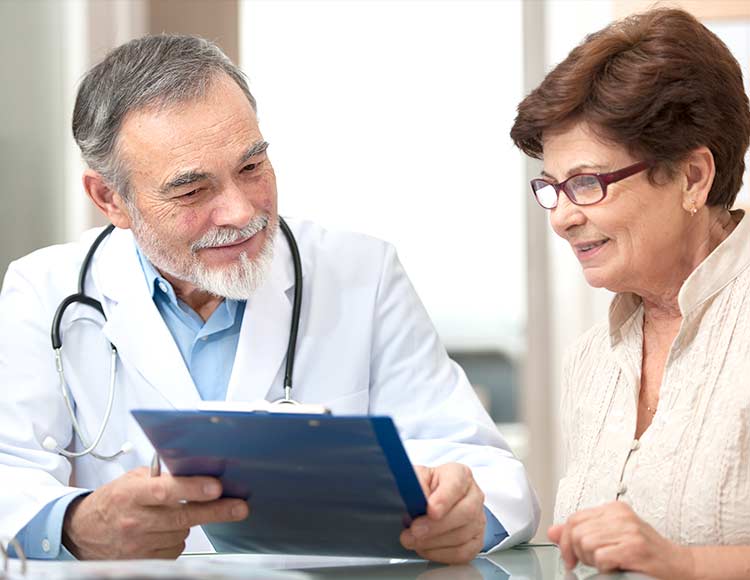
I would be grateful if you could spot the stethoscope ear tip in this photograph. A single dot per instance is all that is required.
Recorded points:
(49, 443)
(127, 447)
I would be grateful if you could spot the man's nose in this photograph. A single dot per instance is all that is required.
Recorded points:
(234, 207)
(566, 215)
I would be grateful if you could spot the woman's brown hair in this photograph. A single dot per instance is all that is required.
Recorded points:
(658, 83)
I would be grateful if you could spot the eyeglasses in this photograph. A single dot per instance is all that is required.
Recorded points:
(582, 188)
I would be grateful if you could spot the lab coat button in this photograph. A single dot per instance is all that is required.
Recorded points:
(46, 545)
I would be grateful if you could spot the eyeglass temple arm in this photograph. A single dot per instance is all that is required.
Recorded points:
(608, 178)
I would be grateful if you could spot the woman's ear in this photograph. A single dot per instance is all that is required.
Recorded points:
(698, 171)
(107, 200)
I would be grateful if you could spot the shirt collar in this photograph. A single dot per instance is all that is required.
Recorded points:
(160, 286)
(156, 282)
(721, 266)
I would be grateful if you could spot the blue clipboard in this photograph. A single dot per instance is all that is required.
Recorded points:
(316, 484)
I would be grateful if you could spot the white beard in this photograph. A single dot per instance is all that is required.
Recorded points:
(237, 281)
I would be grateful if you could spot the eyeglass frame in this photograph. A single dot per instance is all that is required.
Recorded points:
(604, 179)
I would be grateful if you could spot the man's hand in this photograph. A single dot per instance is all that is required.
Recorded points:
(137, 516)
(452, 532)
(612, 537)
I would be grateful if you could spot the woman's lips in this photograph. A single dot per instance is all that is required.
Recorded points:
(587, 250)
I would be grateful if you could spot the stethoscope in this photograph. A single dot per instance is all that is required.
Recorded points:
(80, 297)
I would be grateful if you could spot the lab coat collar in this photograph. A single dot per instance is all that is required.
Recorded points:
(134, 324)
(264, 335)
(136, 328)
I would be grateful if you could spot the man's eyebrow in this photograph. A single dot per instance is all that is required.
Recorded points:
(184, 178)
(255, 149)
(189, 177)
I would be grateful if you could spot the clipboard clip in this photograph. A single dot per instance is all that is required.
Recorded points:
(4, 548)
(263, 406)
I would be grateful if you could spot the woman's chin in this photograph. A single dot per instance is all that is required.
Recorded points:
(598, 278)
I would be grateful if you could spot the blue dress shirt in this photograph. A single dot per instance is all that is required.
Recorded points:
(208, 349)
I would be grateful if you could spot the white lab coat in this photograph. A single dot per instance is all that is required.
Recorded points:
(366, 345)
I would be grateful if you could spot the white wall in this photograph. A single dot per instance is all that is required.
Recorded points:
(575, 306)
(392, 118)
(47, 46)
(32, 127)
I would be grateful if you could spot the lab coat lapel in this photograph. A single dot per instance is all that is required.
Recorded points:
(264, 334)
(134, 324)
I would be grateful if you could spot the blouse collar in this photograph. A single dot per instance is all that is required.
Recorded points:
(728, 260)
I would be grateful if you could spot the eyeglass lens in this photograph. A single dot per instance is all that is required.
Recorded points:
(581, 189)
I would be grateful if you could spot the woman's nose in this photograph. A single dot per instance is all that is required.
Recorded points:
(566, 215)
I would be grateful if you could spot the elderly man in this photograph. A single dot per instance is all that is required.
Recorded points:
(195, 285)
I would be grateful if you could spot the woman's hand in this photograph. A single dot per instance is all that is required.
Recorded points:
(612, 537)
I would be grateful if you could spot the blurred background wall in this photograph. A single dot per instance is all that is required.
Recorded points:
(386, 117)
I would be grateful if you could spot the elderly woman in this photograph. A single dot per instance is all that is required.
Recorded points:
(642, 130)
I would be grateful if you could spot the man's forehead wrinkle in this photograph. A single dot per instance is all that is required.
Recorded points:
(219, 131)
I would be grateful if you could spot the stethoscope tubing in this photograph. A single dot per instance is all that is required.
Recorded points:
(81, 297)
(296, 309)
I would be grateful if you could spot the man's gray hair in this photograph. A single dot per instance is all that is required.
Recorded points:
(152, 71)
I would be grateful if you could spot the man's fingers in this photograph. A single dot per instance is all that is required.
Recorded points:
(424, 476)
(468, 511)
(453, 555)
(188, 515)
(171, 553)
(454, 483)
(159, 540)
(450, 539)
(167, 490)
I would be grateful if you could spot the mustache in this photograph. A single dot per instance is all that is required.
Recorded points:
(228, 235)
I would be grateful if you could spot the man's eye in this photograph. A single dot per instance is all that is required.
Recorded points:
(189, 194)
(251, 167)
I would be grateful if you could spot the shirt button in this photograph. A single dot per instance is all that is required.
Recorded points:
(163, 287)
(635, 445)
(46, 545)
(622, 488)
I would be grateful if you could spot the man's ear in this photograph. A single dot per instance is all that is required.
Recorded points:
(107, 200)
(698, 171)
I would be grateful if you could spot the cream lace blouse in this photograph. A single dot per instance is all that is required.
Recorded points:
(689, 474)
